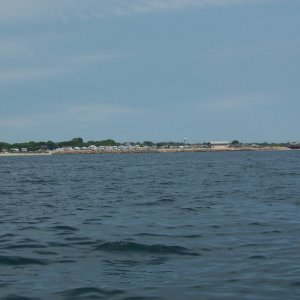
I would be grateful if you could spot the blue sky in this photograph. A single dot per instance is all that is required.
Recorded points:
(136, 70)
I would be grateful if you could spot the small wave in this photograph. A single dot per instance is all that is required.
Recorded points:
(7, 235)
(271, 232)
(57, 244)
(85, 243)
(38, 181)
(257, 257)
(167, 183)
(257, 224)
(18, 261)
(188, 209)
(76, 238)
(93, 220)
(252, 245)
(66, 261)
(81, 241)
(124, 246)
(149, 234)
(89, 293)
(28, 228)
(16, 297)
(233, 280)
(48, 205)
(5, 193)
(43, 218)
(4, 285)
(295, 284)
(190, 236)
(25, 246)
(64, 227)
(46, 252)
(157, 202)
(214, 226)
(140, 298)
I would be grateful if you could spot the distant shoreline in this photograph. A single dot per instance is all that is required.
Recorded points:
(25, 154)
(173, 150)
(163, 150)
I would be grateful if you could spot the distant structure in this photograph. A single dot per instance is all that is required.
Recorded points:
(294, 145)
(218, 145)
(185, 141)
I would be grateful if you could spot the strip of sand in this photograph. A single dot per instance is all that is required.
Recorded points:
(25, 154)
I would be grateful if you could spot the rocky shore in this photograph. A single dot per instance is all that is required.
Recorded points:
(111, 150)
(166, 150)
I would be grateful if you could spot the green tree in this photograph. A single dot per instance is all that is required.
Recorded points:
(4, 146)
(51, 145)
(235, 143)
(148, 143)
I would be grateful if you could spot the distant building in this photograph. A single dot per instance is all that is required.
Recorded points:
(24, 150)
(219, 145)
(92, 147)
(14, 150)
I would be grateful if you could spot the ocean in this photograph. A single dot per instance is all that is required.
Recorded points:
(221, 225)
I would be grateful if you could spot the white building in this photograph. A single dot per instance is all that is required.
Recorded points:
(219, 145)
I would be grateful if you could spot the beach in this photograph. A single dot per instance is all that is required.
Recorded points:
(26, 154)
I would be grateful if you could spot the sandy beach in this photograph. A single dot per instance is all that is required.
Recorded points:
(25, 154)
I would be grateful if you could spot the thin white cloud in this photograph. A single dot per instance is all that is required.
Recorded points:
(16, 122)
(55, 68)
(19, 61)
(39, 10)
(98, 112)
(78, 114)
(11, 48)
(27, 74)
(94, 57)
(235, 102)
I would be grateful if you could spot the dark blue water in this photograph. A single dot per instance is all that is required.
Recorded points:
(151, 226)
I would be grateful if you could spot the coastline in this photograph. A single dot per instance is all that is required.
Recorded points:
(162, 150)
(25, 154)
(170, 150)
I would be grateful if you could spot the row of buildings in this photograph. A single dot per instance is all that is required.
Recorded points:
(129, 147)
(218, 145)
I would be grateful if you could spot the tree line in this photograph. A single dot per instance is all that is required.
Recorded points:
(79, 142)
(50, 145)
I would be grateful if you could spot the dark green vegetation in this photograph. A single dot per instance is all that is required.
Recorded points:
(79, 142)
(50, 145)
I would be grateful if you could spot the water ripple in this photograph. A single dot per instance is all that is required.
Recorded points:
(152, 226)
(89, 293)
(124, 246)
(19, 261)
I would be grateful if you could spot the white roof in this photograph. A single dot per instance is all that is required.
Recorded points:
(219, 143)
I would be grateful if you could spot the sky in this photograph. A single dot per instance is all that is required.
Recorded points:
(159, 70)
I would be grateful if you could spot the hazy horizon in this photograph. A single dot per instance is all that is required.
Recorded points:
(154, 141)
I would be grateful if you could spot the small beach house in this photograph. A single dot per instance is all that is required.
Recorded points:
(219, 145)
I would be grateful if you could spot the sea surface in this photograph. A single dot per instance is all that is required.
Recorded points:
(150, 226)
